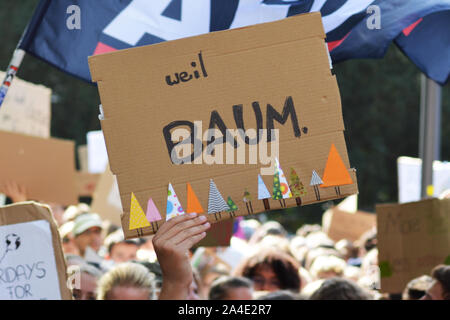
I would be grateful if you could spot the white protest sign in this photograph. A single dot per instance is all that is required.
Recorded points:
(410, 177)
(96, 150)
(27, 262)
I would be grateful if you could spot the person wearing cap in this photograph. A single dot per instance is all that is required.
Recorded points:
(87, 231)
(67, 238)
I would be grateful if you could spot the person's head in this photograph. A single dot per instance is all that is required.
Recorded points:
(231, 288)
(126, 281)
(271, 270)
(340, 289)
(346, 248)
(325, 267)
(89, 276)
(268, 228)
(73, 211)
(367, 241)
(440, 287)
(87, 231)
(417, 287)
(281, 295)
(67, 238)
(119, 248)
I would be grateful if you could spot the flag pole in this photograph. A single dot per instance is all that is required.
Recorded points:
(19, 53)
(430, 132)
(13, 67)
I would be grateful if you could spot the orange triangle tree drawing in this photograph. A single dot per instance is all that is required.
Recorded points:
(193, 204)
(137, 216)
(335, 173)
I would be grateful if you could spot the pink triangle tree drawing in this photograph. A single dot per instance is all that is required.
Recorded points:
(153, 215)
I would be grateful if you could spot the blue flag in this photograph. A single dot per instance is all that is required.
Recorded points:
(64, 33)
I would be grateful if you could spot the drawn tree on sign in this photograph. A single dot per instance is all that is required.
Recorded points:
(263, 193)
(248, 201)
(138, 220)
(297, 188)
(153, 215)
(174, 207)
(315, 181)
(233, 207)
(276, 191)
(335, 173)
(216, 203)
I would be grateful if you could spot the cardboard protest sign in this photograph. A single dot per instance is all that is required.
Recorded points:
(159, 102)
(26, 109)
(86, 183)
(339, 224)
(219, 235)
(106, 198)
(412, 239)
(46, 167)
(32, 264)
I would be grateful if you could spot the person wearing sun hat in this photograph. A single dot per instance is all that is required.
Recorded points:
(87, 231)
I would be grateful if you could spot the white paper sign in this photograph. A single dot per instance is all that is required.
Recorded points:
(27, 262)
(410, 177)
(97, 154)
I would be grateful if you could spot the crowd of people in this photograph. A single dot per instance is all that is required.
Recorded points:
(263, 262)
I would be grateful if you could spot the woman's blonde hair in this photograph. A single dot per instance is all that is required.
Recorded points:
(126, 274)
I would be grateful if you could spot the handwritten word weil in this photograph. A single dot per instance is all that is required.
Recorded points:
(184, 76)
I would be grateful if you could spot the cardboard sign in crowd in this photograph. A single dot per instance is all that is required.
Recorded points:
(412, 238)
(32, 264)
(159, 100)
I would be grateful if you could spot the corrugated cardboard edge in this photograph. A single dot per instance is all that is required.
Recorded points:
(32, 211)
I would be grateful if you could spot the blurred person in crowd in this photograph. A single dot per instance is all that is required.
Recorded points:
(280, 295)
(275, 241)
(298, 248)
(346, 248)
(67, 238)
(325, 267)
(340, 289)
(306, 229)
(231, 288)
(73, 211)
(370, 271)
(445, 194)
(87, 231)
(271, 270)
(127, 281)
(440, 287)
(352, 273)
(89, 276)
(249, 227)
(311, 287)
(367, 241)
(268, 228)
(417, 287)
(146, 252)
(209, 274)
(119, 248)
(319, 239)
(314, 253)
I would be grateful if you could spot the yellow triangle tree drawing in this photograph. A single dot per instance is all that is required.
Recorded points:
(137, 216)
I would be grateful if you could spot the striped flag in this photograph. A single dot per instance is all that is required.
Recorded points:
(65, 32)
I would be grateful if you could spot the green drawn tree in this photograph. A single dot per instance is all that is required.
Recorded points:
(232, 205)
(276, 191)
(297, 188)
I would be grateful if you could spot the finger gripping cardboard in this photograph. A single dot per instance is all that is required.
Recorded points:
(159, 101)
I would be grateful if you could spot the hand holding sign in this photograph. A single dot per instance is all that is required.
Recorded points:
(171, 243)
